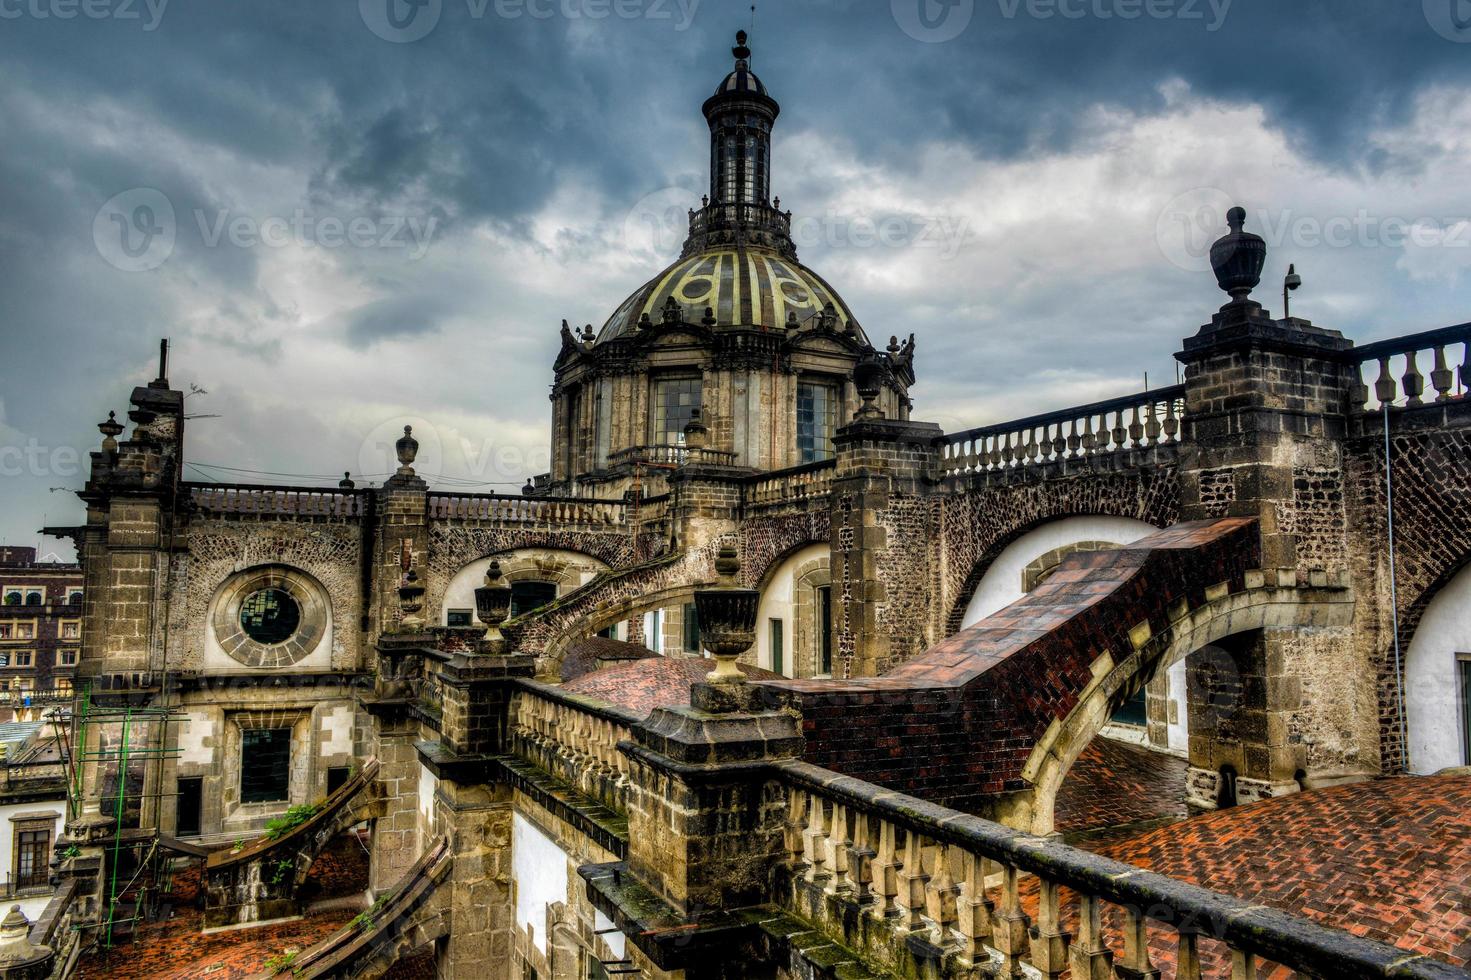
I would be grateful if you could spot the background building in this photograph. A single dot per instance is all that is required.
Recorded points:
(40, 632)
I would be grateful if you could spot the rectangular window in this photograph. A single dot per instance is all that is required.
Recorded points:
(676, 400)
(68, 658)
(71, 629)
(25, 631)
(336, 777)
(35, 597)
(188, 806)
(825, 630)
(63, 685)
(458, 617)
(1464, 663)
(526, 596)
(24, 658)
(265, 765)
(817, 415)
(777, 652)
(1134, 711)
(32, 855)
(691, 628)
(7, 631)
(74, 597)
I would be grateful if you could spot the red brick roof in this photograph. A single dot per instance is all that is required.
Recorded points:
(1116, 784)
(642, 686)
(583, 655)
(1388, 859)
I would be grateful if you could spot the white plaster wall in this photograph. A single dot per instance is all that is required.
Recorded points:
(197, 726)
(337, 731)
(1179, 730)
(428, 786)
(460, 594)
(1002, 583)
(1433, 697)
(777, 599)
(614, 940)
(539, 867)
(7, 836)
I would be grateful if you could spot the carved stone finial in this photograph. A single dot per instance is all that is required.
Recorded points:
(407, 449)
(868, 379)
(709, 318)
(741, 51)
(829, 317)
(695, 432)
(587, 333)
(529, 489)
(110, 430)
(644, 323)
(1237, 259)
(493, 606)
(672, 313)
(894, 344)
(792, 322)
(346, 482)
(727, 616)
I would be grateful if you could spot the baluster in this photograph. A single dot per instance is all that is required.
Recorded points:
(1119, 432)
(1136, 965)
(885, 872)
(941, 895)
(838, 846)
(912, 881)
(1059, 442)
(1029, 441)
(993, 458)
(1151, 426)
(1441, 377)
(1243, 965)
(860, 859)
(1136, 428)
(1011, 925)
(1049, 942)
(973, 911)
(1172, 424)
(1385, 389)
(1088, 957)
(1187, 957)
(1074, 439)
(796, 815)
(814, 840)
(1007, 453)
(1090, 441)
(1413, 380)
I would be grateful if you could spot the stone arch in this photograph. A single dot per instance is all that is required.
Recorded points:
(564, 568)
(788, 595)
(229, 644)
(1003, 571)
(1437, 677)
(1114, 681)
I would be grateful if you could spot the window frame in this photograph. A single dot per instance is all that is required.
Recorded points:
(246, 737)
(822, 448)
(37, 851)
(659, 432)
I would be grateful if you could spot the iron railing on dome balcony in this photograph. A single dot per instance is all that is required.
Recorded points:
(1390, 372)
(670, 455)
(719, 217)
(1140, 421)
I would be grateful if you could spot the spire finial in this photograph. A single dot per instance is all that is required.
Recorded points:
(740, 51)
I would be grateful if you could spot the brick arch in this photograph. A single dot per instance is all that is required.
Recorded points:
(767, 541)
(517, 565)
(1006, 535)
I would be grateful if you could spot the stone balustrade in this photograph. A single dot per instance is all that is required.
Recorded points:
(508, 509)
(1390, 371)
(1139, 421)
(792, 485)
(897, 877)
(573, 738)
(670, 455)
(295, 502)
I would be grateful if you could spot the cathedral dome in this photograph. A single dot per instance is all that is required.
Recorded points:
(740, 286)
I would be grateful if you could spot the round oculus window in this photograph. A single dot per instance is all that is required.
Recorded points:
(270, 616)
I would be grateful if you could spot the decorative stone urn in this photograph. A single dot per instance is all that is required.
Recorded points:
(727, 615)
(493, 606)
(1237, 259)
(868, 379)
(407, 449)
(411, 602)
(21, 959)
(695, 433)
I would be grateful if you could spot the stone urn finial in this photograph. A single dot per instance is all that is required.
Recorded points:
(407, 448)
(110, 430)
(727, 615)
(346, 483)
(868, 379)
(695, 433)
(1237, 259)
(493, 606)
(16, 949)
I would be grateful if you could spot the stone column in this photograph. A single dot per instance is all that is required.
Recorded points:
(1263, 425)
(881, 544)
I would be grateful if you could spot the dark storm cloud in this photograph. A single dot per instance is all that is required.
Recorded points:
(257, 110)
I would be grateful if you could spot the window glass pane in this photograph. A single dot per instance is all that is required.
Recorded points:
(675, 402)
(816, 420)
(265, 764)
(1133, 711)
(270, 616)
(825, 630)
(526, 596)
(458, 617)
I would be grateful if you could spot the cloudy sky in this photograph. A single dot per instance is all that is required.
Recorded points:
(349, 216)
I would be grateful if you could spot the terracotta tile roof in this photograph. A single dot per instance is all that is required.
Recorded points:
(582, 656)
(1388, 859)
(660, 682)
(1117, 784)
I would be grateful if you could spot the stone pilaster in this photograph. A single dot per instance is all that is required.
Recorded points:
(481, 900)
(878, 493)
(707, 502)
